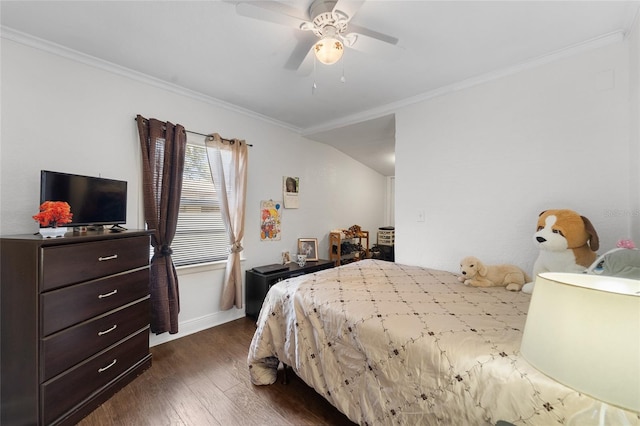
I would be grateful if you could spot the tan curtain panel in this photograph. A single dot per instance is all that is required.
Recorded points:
(232, 196)
(163, 150)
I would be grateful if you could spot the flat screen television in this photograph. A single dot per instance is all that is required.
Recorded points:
(93, 200)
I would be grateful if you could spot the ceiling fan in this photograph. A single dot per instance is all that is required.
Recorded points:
(328, 29)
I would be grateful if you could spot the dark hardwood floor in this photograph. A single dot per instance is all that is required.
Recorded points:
(203, 379)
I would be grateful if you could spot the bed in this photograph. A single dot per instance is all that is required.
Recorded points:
(387, 343)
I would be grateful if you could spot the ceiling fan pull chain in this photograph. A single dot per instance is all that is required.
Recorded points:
(315, 86)
(342, 79)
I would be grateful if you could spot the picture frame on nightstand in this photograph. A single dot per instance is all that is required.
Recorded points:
(308, 247)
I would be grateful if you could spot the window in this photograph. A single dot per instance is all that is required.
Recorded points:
(200, 233)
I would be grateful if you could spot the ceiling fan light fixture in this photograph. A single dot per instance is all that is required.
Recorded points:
(328, 50)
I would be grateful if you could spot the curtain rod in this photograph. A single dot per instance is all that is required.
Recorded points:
(231, 141)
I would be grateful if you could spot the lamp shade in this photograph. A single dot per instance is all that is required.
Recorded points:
(584, 332)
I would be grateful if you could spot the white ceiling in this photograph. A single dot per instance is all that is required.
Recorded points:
(206, 47)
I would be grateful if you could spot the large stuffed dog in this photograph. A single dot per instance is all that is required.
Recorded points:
(477, 274)
(567, 241)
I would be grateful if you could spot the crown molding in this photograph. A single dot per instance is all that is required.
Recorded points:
(632, 17)
(373, 113)
(65, 52)
(38, 43)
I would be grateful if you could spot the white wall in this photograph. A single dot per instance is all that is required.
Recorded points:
(66, 114)
(484, 161)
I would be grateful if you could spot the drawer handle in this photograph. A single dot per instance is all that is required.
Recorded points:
(100, 370)
(103, 258)
(102, 296)
(102, 333)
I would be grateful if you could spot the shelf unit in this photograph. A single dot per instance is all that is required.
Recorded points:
(386, 236)
(386, 244)
(336, 254)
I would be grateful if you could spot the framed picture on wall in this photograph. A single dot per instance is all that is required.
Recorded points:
(308, 247)
(290, 190)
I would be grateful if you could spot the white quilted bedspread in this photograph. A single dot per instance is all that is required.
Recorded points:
(393, 344)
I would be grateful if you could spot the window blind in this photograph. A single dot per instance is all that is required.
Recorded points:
(200, 233)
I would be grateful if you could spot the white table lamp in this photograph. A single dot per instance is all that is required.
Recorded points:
(584, 332)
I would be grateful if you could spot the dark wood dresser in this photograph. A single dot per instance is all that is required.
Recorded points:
(74, 323)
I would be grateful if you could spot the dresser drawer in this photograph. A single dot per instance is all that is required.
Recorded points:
(73, 345)
(71, 388)
(74, 263)
(70, 305)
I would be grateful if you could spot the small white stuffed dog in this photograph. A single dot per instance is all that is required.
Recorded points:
(477, 274)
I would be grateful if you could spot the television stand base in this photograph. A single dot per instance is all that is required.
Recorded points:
(117, 228)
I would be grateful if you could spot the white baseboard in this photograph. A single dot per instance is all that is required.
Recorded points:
(197, 324)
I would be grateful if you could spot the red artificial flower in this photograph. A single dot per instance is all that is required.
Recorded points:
(54, 213)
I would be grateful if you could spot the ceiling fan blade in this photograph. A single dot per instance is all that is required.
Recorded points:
(361, 31)
(348, 7)
(306, 66)
(371, 45)
(306, 40)
(272, 11)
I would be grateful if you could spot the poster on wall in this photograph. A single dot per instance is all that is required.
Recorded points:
(290, 189)
(270, 220)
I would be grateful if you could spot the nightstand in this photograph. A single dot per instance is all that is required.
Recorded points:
(258, 284)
